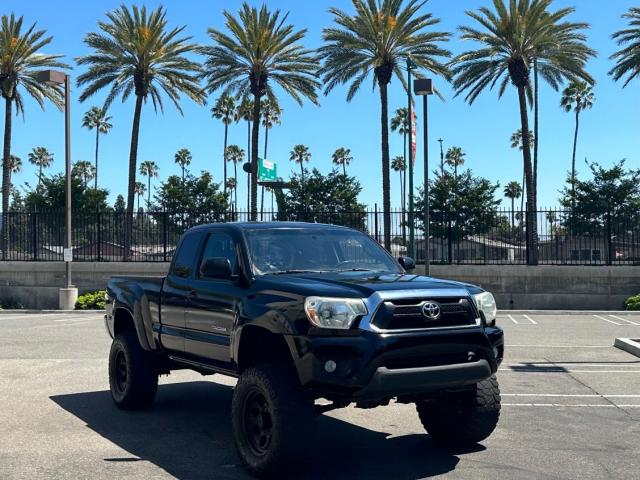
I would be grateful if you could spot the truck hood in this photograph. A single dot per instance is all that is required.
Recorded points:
(356, 284)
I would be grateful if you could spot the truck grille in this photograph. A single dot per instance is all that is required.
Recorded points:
(406, 314)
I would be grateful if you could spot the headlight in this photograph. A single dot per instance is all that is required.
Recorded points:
(487, 305)
(333, 312)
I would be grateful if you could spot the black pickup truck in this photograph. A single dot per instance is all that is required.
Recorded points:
(309, 318)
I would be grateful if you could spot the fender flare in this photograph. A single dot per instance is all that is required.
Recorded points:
(136, 304)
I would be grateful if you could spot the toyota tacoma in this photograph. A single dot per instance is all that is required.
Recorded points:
(309, 318)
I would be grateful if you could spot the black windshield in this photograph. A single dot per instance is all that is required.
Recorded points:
(298, 250)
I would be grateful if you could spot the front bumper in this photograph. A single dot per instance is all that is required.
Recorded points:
(374, 367)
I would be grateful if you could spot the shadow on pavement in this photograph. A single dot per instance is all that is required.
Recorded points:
(187, 433)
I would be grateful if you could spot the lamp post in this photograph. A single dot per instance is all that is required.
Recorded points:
(67, 296)
(424, 87)
(412, 238)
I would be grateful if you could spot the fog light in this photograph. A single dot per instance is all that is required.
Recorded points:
(330, 366)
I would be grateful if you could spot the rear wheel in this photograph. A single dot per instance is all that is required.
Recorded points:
(133, 376)
(463, 418)
(272, 418)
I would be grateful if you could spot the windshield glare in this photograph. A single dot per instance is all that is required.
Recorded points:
(282, 250)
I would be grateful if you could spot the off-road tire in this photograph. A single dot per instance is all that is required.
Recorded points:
(463, 418)
(286, 406)
(133, 376)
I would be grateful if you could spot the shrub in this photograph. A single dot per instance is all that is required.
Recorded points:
(633, 303)
(91, 301)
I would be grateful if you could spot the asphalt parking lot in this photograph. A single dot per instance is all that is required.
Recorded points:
(571, 409)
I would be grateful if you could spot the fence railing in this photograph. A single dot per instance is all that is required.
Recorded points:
(465, 237)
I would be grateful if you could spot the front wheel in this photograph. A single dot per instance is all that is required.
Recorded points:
(272, 418)
(463, 418)
(133, 376)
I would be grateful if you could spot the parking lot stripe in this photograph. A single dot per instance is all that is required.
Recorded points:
(606, 320)
(563, 370)
(567, 395)
(513, 319)
(624, 320)
(530, 319)
(558, 346)
(560, 405)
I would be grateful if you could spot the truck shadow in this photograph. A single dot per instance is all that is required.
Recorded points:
(187, 433)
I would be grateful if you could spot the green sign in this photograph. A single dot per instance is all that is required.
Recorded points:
(266, 170)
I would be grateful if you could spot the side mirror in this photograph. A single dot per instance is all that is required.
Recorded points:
(407, 263)
(216, 267)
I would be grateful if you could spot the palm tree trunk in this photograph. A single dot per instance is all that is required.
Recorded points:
(535, 126)
(531, 219)
(97, 145)
(404, 187)
(386, 187)
(224, 157)
(149, 192)
(133, 162)
(255, 135)
(248, 174)
(301, 172)
(513, 222)
(235, 189)
(6, 177)
(266, 142)
(573, 160)
(344, 169)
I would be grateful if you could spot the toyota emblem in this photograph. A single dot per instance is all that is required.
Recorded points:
(431, 310)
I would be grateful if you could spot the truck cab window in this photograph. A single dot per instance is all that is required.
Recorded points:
(183, 264)
(221, 245)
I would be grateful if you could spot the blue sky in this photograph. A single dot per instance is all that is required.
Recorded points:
(609, 132)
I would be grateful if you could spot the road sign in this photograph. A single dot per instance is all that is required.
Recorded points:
(266, 170)
(67, 254)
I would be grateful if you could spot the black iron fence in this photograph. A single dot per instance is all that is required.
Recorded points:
(488, 237)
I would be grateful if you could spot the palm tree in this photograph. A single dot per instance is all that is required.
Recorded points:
(236, 155)
(149, 169)
(516, 142)
(300, 154)
(400, 122)
(628, 57)
(41, 158)
(261, 49)
(84, 170)
(140, 190)
(97, 118)
(270, 111)
(454, 158)
(225, 110)
(15, 166)
(183, 159)
(398, 165)
(136, 53)
(342, 157)
(379, 38)
(513, 191)
(577, 96)
(20, 61)
(245, 112)
(510, 39)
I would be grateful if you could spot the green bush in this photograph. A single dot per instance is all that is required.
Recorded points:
(633, 303)
(91, 301)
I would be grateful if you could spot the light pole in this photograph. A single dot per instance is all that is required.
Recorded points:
(68, 295)
(412, 246)
(424, 87)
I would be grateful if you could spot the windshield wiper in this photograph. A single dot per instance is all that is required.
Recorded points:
(283, 272)
(356, 270)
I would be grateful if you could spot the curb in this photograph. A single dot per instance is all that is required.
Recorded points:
(629, 345)
(568, 312)
(70, 312)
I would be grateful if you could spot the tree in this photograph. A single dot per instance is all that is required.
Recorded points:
(628, 57)
(455, 158)
(577, 96)
(516, 142)
(513, 191)
(400, 123)
(271, 112)
(245, 112)
(51, 196)
(20, 61)
(235, 155)
(84, 170)
(300, 154)
(135, 52)
(140, 190)
(183, 159)
(97, 118)
(379, 38)
(149, 169)
(611, 197)
(260, 49)
(398, 165)
(510, 39)
(41, 158)
(342, 157)
(225, 110)
(120, 206)
(15, 166)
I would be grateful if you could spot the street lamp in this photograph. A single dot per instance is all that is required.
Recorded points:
(67, 296)
(424, 87)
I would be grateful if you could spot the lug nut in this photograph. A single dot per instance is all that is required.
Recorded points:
(330, 366)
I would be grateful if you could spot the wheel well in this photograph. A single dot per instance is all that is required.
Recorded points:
(259, 346)
(123, 322)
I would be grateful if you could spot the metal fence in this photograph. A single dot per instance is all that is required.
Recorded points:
(464, 237)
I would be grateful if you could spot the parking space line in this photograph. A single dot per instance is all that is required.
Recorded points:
(558, 346)
(513, 319)
(530, 319)
(563, 364)
(624, 320)
(567, 395)
(563, 370)
(560, 405)
(606, 320)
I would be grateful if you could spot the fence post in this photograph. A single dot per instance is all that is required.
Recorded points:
(449, 239)
(375, 221)
(99, 239)
(165, 234)
(34, 233)
(610, 255)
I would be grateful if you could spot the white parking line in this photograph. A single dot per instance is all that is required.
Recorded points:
(560, 405)
(567, 395)
(530, 319)
(563, 364)
(563, 370)
(513, 319)
(606, 320)
(624, 320)
(76, 319)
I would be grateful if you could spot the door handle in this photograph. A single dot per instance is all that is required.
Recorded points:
(192, 294)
